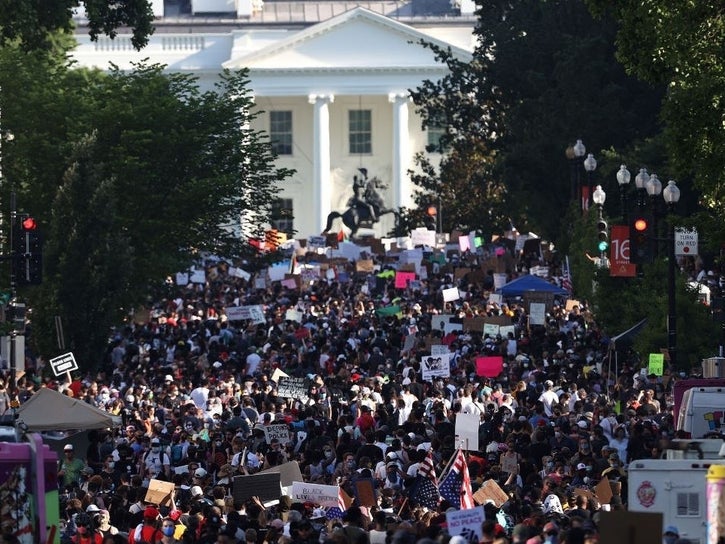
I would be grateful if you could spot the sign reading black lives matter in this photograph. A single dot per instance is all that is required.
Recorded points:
(293, 388)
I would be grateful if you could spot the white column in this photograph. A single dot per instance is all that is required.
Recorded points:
(321, 181)
(402, 190)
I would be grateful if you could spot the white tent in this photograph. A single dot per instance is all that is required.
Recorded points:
(48, 410)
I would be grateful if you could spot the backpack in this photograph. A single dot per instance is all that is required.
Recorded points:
(177, 454)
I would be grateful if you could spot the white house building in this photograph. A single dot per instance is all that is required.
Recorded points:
(333, 87)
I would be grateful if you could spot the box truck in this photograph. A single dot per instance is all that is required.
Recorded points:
(676, 488)
(701, 412)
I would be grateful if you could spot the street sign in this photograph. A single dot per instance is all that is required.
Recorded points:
(685, 242)
(619, 264)
(63, 363)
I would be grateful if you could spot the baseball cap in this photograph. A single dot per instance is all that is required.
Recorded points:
(68, 447)
(200, 473)
(150, 513)
(196, 491)
(581, 466)
(672, 529)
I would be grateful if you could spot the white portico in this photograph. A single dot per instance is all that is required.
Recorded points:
(334, 98)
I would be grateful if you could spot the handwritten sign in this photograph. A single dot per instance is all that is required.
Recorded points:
(656, 364)
(466, 523)
(439, 349)
(292, 388)
(279, 431)
(327, 496)
(490, 490)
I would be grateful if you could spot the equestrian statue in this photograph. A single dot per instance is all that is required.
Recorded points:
(364, 207)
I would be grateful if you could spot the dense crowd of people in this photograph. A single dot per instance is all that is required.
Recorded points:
(195, 391)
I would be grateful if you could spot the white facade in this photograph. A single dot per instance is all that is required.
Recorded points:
(359, 61)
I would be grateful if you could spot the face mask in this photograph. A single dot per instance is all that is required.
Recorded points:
(328, 454)
(168, 531)
(670, 539)
(589, 469)
(350, 464)
(111, 464)
(156, 449)
(557, 434)
(218, 443)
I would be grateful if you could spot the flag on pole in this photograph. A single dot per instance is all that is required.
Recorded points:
(425, 487)
(456, 485)
(566, 276)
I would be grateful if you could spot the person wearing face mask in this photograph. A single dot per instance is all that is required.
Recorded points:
(156, 462)
(85, 532)
(168, 529)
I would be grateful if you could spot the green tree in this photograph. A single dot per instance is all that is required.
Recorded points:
(167, 172)
(542, 75)
(33, 24)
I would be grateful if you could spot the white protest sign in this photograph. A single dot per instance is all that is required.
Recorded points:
(277, 272)
(260, 282)
(537, 313)
(466, 523)
(327, 496)
(685, 242)
(423, 237)
(467, 431)
(239, 273)
(439, 349)
(438, 322)
(313, 242)
(63, 363)
(280, 431)
(438, 366)
(499, 280)
(293, 315)
(198, 276)
(504, 330)
(449, 295)
(491, 329)
(182, 278)
(449, 327)
(495, 298)
(254, 313)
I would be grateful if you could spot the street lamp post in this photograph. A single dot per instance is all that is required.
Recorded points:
(640, 182)
(590, 164)
(671, 195)
(579, 150)
(599, 197)
(654, 190)
(623, 178)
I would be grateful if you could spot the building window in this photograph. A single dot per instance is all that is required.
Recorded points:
(282, 215)
(280, 131)
(361, 136)
(435, 132)
(688, 505)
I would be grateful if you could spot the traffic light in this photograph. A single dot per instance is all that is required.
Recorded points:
(27, 251)
(602, 236)
(641, 239)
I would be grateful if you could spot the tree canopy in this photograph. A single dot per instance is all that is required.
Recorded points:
(131, 176)
(33, 23)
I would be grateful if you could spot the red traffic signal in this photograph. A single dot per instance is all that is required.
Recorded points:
(640, 224)
(28, 223)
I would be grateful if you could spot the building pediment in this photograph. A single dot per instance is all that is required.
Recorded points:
(358, 40)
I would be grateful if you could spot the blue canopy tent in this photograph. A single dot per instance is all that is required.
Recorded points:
(530, 284)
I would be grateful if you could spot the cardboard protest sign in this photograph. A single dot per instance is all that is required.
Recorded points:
(292, 388)
(489, 367)
(288, 473)
(639, 527)
(436, 366)
(467, 431)
(509, 462)
(571, 303)
(327, 496)
(603, 491)
(466, 523)
(265, 485)
(280, 431)
(364, 265)
(365, 492)
(490, 490)
(159, 492)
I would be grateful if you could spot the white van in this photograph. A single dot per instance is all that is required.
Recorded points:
(701, 411)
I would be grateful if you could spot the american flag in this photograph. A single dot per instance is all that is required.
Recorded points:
(336, 512)
(425, 487)
(456, 486)
(566, 276)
